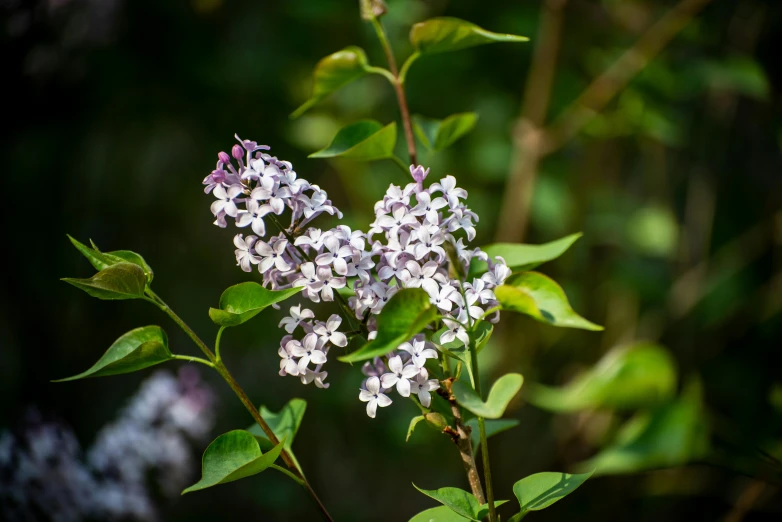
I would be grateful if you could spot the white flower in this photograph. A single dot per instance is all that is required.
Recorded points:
(373, 396)
(399, 376)
(297, 315)
(428, 207)
(445, 298)
(254, 215)
(272, 255)
(317, 376)
(383, 293)
(498, 273)
(328, 331)
(316, 204)
(419, 352)
(430, 242)
(288, 364)
(271, 190)
(356, 239)
(449, 189)
(309, 350)
(314, 238)
(426, 277)
(244, 255)
(334, 255)
(330, 283)
(462, 219)
(455, 330)
(225, 200)
(399, 218)
(359, 265)
(310, 281)
(422, 385)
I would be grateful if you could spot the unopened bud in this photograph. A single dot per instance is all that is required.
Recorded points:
(436, 420)
(218, 176)
(224, 158)
(237, 152)
(418, 173)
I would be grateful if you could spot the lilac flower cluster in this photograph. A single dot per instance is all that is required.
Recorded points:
(412, 243)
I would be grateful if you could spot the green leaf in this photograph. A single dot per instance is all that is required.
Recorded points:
(671, 435)
(439, 35)
(636, 376)
(440, 134)
(285, 424)
(415, 420)
(101, 260)
(136, 350)
(520, 257)
(438, 514)
(242, 302)
(460, 502)
(232, 456)
(541, 298)
(540, 490)
(404, 315)
(334, 72)
(365, 140)
(493, 427)
(120, 281)
(504, 389)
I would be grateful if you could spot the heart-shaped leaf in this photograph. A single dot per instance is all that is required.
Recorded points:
(242, 302)
(438, 514)
(119, 281)
(285, 424)
(439, 35)
(404, 315)
(136, 350)
(630, 377)
(521, 257)
(493, 427)
(460, 502)
(504, 389)
(541, 298)
(365, 140)
(540, 490)
(101, 260)
(334, 72)
(671, 435)
(232, 456)
(440, 134)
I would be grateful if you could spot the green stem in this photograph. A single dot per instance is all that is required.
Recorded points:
(189, 358)
(288, 473)
(484, 443)
(245, 400)
(217, 343)
(406, 66)
(399, 87)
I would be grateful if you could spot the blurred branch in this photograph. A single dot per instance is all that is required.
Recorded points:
(527, 134)
(748, 497)
(533, 142)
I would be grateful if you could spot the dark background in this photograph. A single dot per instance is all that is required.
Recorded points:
(114, 112)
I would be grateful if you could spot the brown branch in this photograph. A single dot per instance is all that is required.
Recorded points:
(461, 437)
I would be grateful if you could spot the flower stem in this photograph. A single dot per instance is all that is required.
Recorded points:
(245, 400)
(399, 88)
(484, 443)
(217, 343)
(194, 359)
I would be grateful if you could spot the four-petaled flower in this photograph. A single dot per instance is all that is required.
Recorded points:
(419, 352)
(309, 350)
(244, 252)
(272, 255)
(373, 396)
(328, 332)
(422, 385)
(400, 376)
(297, 315)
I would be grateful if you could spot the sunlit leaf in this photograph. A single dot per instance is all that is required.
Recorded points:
(438, 514)
(501, 393)
(116, 282)
(520, 257)
(334, 72)
(439, 35)
(541, 298)
(365, 140)
(135, 350)
(232, 456)
(636, 376)
(242, 302)
(285, 424)
(540, 490)
(671, 435)
(440, 134)
(101, 260)
(460, 502)
(407, 313)
(493, 427)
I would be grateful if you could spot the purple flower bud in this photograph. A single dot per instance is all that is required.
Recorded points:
(224, 158)
(237, 152)
(418, 173)
(218, 176)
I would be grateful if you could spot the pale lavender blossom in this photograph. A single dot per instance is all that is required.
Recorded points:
(328, 332)
(421, 385)
(373, 396)
(399, 376)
